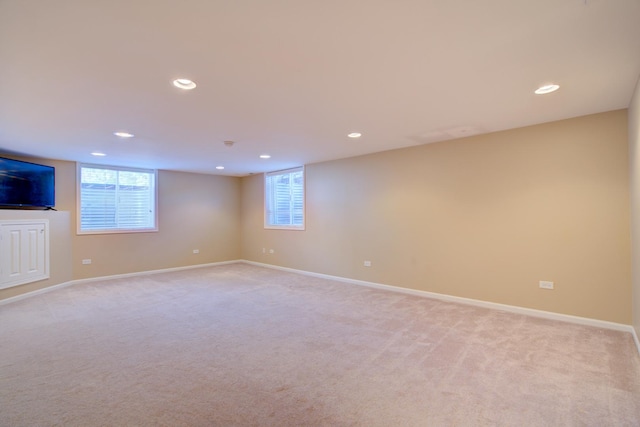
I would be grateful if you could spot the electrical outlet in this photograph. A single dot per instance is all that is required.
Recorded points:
(271, 251)
(264, 250)
(86, 261)
(546, 285)
(196, 251)
(367, 263)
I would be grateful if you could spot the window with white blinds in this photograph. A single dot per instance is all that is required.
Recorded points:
(284, 199)
(116, 200)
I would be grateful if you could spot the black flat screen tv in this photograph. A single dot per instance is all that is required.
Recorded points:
(24, 184)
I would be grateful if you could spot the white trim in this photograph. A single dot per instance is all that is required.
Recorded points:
(36, 292)
(115, 276)
(486, 304)
(266, 176)
(635, 338)
(118, 169)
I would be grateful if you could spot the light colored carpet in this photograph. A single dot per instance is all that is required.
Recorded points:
(240, 345)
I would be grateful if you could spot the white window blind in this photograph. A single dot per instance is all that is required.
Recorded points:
(116, 199)
(284, 199)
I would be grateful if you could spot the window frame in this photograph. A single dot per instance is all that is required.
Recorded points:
(154, 191)
(269, 226)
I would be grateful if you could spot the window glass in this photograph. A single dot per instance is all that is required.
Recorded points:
(116, 199)
(284, 199)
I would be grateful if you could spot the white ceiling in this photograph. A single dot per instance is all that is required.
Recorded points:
(292, 77)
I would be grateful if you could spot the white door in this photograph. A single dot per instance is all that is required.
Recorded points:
(24, 252)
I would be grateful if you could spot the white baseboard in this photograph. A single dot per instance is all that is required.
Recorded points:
(115, 276)
(635, 338)
(486, 304)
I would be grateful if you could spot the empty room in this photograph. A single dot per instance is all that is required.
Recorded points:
(296, 213)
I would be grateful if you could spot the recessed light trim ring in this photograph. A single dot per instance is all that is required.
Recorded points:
(185, 84)
(123, 134)
(547, 88)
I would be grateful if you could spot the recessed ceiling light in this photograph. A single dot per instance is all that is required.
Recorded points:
(265, 156)
(354, 135)
(219, 167)
(185, 84)
(546, 89)
(98, 154)
(123, 134)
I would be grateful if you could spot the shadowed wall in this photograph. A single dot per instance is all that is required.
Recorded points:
(195, 211)
(634, 152)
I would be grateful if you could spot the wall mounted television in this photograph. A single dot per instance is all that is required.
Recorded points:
(24, 184)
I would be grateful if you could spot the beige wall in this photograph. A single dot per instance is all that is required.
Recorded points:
(195, 211)
(634, 145)
(485, 217)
